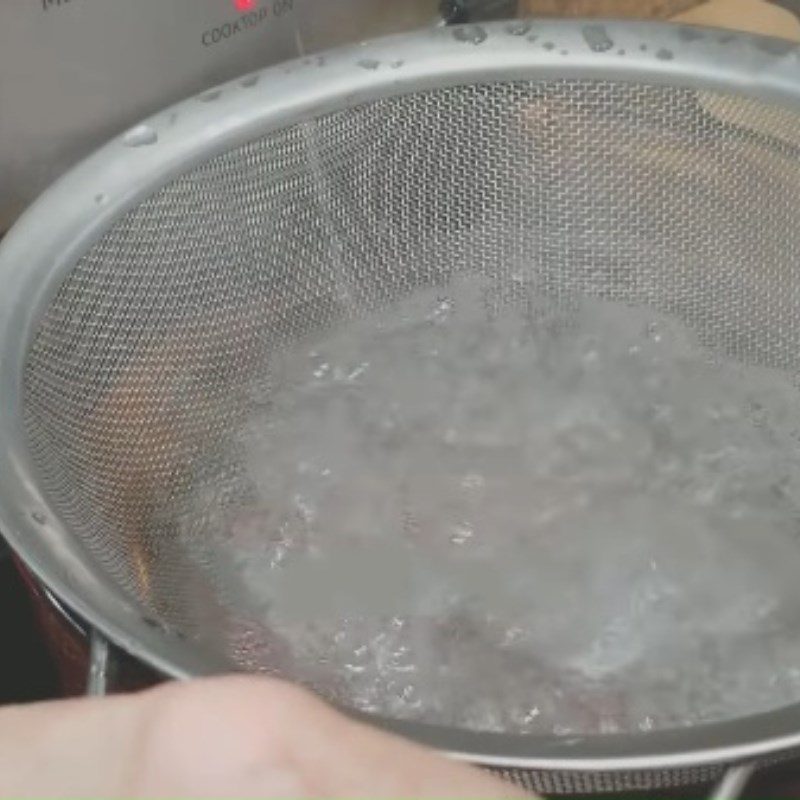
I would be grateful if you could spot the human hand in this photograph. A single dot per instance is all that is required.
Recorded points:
(242, 737)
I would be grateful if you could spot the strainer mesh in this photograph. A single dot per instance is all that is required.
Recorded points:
(158, 341)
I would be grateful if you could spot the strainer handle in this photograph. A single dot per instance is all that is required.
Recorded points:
(731, 785)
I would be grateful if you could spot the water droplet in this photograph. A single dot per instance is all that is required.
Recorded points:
(39, 518)
(565, 52)
(664, 55)
(549, 46)
(321, 61)
(101, 199)
(621, 51)
(210, 97)
(775, 46)
(249, 81)
(397, 64)
(690, 34)
(597, 38)
(369, 63)
(534, 37)
(470, 34)
(643, 48)
(726, 38)
(140, 136)
(518, 28)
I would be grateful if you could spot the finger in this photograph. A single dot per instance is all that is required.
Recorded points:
(278, 740)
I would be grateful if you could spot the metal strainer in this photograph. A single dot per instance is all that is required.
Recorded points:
(650, 164)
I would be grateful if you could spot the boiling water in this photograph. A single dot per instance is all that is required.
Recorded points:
(485, 509)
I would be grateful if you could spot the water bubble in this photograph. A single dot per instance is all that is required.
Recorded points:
(663, 54)
(210, 97)
(140, 136)
(39, 518)
(591, 353)
(608, 726)
(462, 533)
(360, 370)
(597, 38)
(653, 332)
(397, 64)
(471, 487)
(470, 34)
(473, 481)
(249, 81)
(531, 715)
(549, 46)
(101, 199)
(369, 63)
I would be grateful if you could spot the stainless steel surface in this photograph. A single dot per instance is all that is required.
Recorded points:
(74, 73)
(647, 163)
(99, 659)
(733, 783)
(65, 613)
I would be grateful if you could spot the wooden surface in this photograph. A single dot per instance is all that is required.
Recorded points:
(754, 16)
(654, 9)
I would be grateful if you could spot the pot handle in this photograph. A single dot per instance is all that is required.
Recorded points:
(101, 665)
(733, 782)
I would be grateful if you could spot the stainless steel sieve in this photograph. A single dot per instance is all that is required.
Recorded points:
(142, 294)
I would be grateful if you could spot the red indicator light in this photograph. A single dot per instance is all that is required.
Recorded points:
(244, 5)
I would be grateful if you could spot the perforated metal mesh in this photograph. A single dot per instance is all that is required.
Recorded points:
(159, 340)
